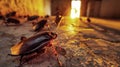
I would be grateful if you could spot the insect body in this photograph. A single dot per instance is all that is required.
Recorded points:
(32, 44)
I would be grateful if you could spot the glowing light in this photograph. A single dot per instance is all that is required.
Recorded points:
(75, 11)
(23, 7)
(71, 29)
(15, 50)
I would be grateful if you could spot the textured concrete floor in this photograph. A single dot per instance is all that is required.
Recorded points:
(85, 45)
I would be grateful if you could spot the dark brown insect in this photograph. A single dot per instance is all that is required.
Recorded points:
(88, 20)
(33, 44)
(10, 14)
(40, 25)
(11, 20)
(31, 18)
(57, 19)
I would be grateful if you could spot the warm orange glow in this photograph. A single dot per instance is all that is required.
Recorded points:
(70, 28)
(15, 50)
(75, 11)
(23, 7)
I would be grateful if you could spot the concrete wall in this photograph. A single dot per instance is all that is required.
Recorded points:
(83, 10)
(47, 7)
(63, 5)
(103, 8)
(35, 7)
(110, 9)
(90, 8)
(22, 7)
(93, 8)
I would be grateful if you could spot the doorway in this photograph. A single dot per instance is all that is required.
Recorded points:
(75, 8)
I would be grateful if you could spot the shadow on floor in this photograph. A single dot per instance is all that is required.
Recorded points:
(105, 31)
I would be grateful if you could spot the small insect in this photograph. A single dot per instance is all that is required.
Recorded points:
(2, 17)
(11, 20)
(58, 19)
(88, 20)
(33, 44)
(31, 18)
(13, 13)
(40, 24)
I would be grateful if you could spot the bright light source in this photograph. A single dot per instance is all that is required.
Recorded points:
(75, 11)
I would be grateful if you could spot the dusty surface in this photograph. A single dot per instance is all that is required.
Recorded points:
(85, 45)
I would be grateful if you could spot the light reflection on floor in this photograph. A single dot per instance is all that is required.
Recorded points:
(85, 46)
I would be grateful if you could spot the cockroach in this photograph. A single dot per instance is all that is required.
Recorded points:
(31, 18)
(11, 20)
(57, 19)
(2, 17)
(33, 44)
(40, 25)
(10, 14)
(88, 20)
(37, 26)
